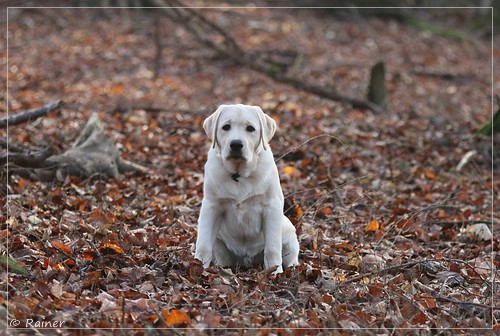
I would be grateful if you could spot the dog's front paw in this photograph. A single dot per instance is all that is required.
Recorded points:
(204, 256)
(273, 259)
(278, 270)
(274, 269)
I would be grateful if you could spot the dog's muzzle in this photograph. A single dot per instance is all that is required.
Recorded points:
(236, 151)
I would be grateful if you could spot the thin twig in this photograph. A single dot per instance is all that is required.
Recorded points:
(96, 250)
(324, 135)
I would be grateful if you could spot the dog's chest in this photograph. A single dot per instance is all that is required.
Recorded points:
(241, 227)
(244, 218)
(242, 194)
(247, 210)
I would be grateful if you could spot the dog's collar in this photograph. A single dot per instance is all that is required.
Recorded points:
(236, 176)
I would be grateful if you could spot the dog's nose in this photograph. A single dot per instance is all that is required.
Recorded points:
(236, 145)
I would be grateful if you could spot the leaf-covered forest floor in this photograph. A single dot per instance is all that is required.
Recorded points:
(387, 224)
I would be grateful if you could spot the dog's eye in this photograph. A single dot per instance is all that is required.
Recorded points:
(250, 129)
(226, 127)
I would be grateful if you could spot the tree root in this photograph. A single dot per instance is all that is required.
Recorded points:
(93, 153)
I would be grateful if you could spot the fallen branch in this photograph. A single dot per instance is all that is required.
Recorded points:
(153, 109)
(22, 155)
(34, 159)
(408, 265)
(461, 222)
(385, 270)
(225, 45)
(329, 93)
(19, 118)
(439, 74)
(463, 304)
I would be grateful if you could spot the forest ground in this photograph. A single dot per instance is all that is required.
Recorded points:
(385, 220)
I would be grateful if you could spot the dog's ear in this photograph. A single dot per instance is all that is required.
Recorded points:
(211, 124)
(267, 127)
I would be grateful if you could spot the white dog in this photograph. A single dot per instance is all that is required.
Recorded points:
(241, 219)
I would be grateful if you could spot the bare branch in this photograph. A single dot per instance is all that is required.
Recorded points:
(19, 118)
(460, 222)
(34, 159)
(200, 27)
(463, 303)
(408, 265)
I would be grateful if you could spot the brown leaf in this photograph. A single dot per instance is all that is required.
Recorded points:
(345, 245)
(175, 317)
(328, 298)
(376, 289)
(61, 246)
(92, 279)
(117, 89)
(88, 255)
(373, 226)
(371, 262)
(109, 247)
(353, 260)
(365, 316)
(425, 300)
(212, 319)
(420, 318)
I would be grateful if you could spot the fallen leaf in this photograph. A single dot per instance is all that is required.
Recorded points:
(376, 289)
(175, 317)
(56, 289)
(117, 89)
(344, 245)
(109, 247)
(480, 231)
(61, 246)
(425, 300)
(212, 319)
(430, 175)
(289, 170)
(328, 298)
(450, 278)
(108, 302)
(371, 262)
(326, 211)
(419, 318)
(353, 259)
(348, 324)
(373, 226)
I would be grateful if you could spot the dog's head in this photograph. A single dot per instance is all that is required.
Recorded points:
(239, 132)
